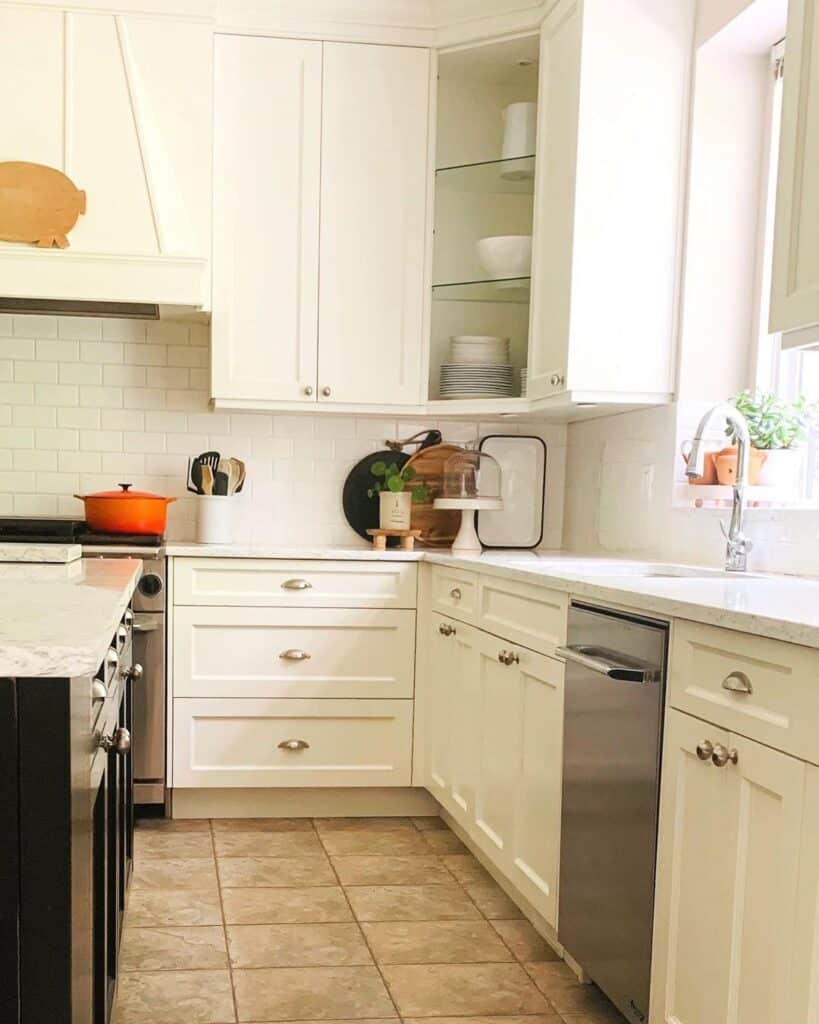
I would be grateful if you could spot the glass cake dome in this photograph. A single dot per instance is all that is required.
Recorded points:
(472, 483)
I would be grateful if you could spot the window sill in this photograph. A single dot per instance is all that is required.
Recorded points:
(719, 497)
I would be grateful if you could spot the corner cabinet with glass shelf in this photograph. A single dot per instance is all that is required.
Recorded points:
(484, 204)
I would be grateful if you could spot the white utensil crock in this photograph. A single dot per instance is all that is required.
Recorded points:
(519, 130)
(216, 519)
(395, 510)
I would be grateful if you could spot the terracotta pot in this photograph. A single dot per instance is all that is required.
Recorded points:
(125, 511)
(709, 475)
(726, 463)
(395, 510)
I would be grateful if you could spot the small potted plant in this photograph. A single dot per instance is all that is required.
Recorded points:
(778, 430)
(395, 495)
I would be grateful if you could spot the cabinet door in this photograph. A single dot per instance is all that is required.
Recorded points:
(558, 112)
(266, 218)
(795, 290)
(535, 854)
(373, 223)
(727, 878)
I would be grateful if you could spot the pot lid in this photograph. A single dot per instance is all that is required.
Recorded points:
(126, 492)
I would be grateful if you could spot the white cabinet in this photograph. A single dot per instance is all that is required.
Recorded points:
(494, 733)
(266, 218)
(795, 290)
(613, 99)
(122, 103)
(320, 231)
(374, 159)
(736, 923)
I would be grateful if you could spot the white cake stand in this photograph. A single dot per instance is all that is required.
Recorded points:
(467, 539)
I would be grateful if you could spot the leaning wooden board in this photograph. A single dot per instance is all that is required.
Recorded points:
(38, 204)
(438, 528)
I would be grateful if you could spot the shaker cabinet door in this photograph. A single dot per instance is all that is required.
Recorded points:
(795, 291)
(374, 163)
(266, 218)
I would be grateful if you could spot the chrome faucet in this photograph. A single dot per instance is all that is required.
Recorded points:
(736, 553)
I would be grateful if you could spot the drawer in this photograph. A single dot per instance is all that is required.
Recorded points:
(281, 583)
(454, 592)
(525, 613)
(258, 743)
(711, 669)
(293, 652)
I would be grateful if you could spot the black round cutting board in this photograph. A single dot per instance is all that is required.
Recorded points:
(360, 511)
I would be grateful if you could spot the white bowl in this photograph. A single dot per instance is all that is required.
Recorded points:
(506, 256)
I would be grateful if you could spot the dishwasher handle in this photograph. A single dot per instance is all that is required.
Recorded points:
(609, 663)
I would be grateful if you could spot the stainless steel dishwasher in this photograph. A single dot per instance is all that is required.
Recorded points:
(615, 682)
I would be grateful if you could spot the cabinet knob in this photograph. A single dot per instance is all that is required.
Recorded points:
(294, 655)
(455, 594)
(294, 745)
(296, 585)
(308, 390)
(722, 755)
(326, 392)
(705, 750)
(445, 629)
(508, 658)
(557, 380)
(133, 674)
(119, 742)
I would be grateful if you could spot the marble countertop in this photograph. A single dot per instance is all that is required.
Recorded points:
(57, 620)
(29, 552)
(781, 607)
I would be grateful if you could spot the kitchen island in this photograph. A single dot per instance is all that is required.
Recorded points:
(66, 808)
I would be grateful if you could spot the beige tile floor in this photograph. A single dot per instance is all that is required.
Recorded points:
(271, 920)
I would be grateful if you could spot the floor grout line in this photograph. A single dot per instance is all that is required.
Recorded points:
(224, 923)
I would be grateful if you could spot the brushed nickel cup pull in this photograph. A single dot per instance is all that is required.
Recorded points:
(294, 745)
(705, 750)
(293, 654)
(737, 682)
(455, 594)
(508, 658)
(446, 630)
(722, 755)
(296, 585)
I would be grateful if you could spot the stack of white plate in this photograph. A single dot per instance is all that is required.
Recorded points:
(523, 382)
(471, 349)
(486, 380)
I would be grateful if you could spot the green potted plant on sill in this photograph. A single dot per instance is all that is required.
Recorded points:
(395, 494)
(779, 430)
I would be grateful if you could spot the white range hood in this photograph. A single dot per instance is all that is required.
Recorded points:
(122, 104)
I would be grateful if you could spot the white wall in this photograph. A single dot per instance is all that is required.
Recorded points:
(619, 486)
(88, 403)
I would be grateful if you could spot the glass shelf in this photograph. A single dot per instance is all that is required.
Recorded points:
(515, 176)
(513, 289)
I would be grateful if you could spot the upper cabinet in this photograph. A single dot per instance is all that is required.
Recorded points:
(121, 103)
(320, 235)
(795, 291)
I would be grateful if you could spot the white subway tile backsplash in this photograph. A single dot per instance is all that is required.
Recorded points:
(6, 370)
(130, 402)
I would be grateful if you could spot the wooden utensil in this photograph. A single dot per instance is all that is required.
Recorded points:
(38, 204)
(242, 474)
(438, 527)
(207, 478)
(234, 470)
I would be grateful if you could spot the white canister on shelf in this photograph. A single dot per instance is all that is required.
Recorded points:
(519, 130)
(395, 510)
(216, 519)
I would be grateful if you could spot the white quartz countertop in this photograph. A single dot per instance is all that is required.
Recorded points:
(57, 620)
(781, 607)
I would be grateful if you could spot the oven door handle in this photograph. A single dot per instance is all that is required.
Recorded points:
(604, 666)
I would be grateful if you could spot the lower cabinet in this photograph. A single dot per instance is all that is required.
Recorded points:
(289, 742)
(494, 751)
(737, 917)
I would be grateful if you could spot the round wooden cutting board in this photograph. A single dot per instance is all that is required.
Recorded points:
(438, 528)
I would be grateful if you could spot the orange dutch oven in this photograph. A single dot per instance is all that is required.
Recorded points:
(125, 511)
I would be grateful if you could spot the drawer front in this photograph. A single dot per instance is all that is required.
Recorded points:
(528, 614)
(764, 689)
(299, 652)
(280, 583)
(454, 592)
(258, 743)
